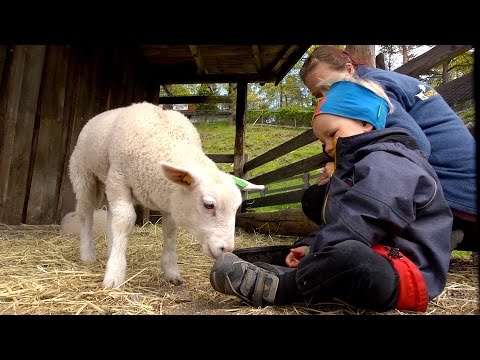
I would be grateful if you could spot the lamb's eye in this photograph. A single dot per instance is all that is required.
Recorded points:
(209, 205)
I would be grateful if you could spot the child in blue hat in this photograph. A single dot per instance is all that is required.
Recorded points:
(384, 239)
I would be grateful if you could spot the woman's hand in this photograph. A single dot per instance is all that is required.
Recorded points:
(326, 174)
(295, 255)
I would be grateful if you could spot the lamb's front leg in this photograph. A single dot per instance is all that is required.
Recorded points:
(169, 254)
(120, 204)
(109, 233)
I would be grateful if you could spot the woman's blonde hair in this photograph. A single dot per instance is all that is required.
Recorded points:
(369, 84)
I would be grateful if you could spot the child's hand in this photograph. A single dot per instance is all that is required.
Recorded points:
(326, 174)
(295, 255)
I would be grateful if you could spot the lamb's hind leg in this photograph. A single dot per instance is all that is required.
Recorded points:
(85, 191)
(120, 204)
(169, 253)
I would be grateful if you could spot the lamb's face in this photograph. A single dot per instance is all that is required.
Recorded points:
(208, 212)
(205, 203)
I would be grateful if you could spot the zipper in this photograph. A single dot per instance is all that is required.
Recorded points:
(328, 186)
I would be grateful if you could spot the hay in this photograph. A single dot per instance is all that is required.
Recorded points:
(40, 273)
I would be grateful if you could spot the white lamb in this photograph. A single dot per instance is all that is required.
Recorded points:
(141, 154)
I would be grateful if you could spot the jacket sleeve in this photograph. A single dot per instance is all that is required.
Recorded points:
(387, 191)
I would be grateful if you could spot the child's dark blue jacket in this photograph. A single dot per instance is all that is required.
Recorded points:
(383, 190)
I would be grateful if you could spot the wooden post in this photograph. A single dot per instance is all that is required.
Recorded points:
(380, 61)
(232, 88)
(240, 120)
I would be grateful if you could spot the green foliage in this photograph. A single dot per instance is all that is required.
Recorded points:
(453, 69)
(461, 254)
(289, 116)
(206, 90)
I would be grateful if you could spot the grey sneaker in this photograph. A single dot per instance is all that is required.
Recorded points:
(233, 276)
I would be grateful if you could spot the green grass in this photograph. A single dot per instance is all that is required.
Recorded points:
(219, 138)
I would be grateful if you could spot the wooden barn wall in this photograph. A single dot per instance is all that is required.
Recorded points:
(47, 94)
(19, 93)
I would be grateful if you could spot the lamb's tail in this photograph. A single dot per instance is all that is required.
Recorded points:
(89, 191)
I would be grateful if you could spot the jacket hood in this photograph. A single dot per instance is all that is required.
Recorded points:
(346, 149)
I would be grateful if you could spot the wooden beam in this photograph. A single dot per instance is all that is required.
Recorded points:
(457, 90)
(193, 78)
(314, 162)
(167, 89)
(257, 58)
(433, 57)
(290, 197)
(202, 68)
(221, 158)
(279, 58)
(194, 99)
(301, 140)
(292, 222)
(290, 61)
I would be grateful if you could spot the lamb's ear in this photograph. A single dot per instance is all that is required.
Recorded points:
(179, 175)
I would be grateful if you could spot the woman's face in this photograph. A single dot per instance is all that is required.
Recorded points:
(324, 73)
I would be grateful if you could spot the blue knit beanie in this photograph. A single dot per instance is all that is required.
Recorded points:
(354, 101)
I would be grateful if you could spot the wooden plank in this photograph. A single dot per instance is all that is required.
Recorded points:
(312, 163)
(3, 54)
(79, 108)
(291, 222)
(221, 158)
(24, 84)
(195, 99)
(291, 197)
(301, 140)
(10, 91)
(143, 82)
(116, 91)
(66, 200)
(457, 90)
(431, 58)
(240, 123)
(49, 154)
(5, 85)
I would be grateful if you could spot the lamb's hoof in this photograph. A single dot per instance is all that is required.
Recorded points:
(175, 280)
(88, 259)
(111, 284)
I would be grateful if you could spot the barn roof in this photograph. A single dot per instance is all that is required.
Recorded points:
(184, 64)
